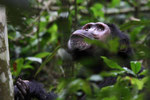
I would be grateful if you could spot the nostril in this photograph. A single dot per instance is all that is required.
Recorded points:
(100, 27)
(87, 27)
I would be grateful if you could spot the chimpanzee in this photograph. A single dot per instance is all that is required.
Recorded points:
(83, 51)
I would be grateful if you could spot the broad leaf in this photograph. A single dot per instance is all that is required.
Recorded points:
(135, 66)
(111, 63)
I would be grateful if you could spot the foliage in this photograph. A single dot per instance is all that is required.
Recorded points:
(36, 33)
(120, 90)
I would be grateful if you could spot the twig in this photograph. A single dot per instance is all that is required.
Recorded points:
(76, 12)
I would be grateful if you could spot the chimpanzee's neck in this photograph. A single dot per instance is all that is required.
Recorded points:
(89, 58)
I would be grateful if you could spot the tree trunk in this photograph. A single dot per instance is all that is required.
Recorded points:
(6, 83)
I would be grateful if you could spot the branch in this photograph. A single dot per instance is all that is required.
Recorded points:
(125, 11)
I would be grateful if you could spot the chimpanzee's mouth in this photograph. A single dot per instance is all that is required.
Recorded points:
(77, 42)
(78, 35)
(83, 34)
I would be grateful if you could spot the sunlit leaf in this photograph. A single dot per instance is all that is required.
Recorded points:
(135, 66)
(28, 67)
(95, 78)
(129, 71)
(138, 82)
(34, 59)
(53, 31)
(111, 63)
(144, 72)
(42, 54)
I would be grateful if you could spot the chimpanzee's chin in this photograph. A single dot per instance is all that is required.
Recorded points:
(78, 44)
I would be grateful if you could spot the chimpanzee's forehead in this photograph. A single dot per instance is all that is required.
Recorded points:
(93, 23)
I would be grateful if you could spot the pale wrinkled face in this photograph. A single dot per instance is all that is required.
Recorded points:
(98, 31)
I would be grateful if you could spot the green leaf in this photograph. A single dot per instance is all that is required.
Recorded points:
(96, 42)
(138, 83)
(19, 63)
(111, 63)
(42, 54)
(42, 24)
(86, 88)
(134, 23)
(53, 32)
(97, 10)
(135, 66)
(115, 3)
(47, 60)
(62, 84)
(115, 43)
(28, 67)
(107, 91)
(107, 45)
(111, 98)
(127, 70)
(135, 32)
(144, 72)
(80, 84)
(80, 1)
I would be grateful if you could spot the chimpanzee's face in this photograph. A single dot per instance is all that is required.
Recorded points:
(98, 31)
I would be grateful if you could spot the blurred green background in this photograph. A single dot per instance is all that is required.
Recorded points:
(38, 31)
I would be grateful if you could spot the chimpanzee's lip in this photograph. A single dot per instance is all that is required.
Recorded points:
(77, 42)
(82, 35)
(79, 36)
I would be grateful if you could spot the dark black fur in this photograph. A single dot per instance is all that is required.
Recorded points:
(33, 90)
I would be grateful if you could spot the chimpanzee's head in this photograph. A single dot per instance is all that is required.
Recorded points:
(81, 50)
(99, 31)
